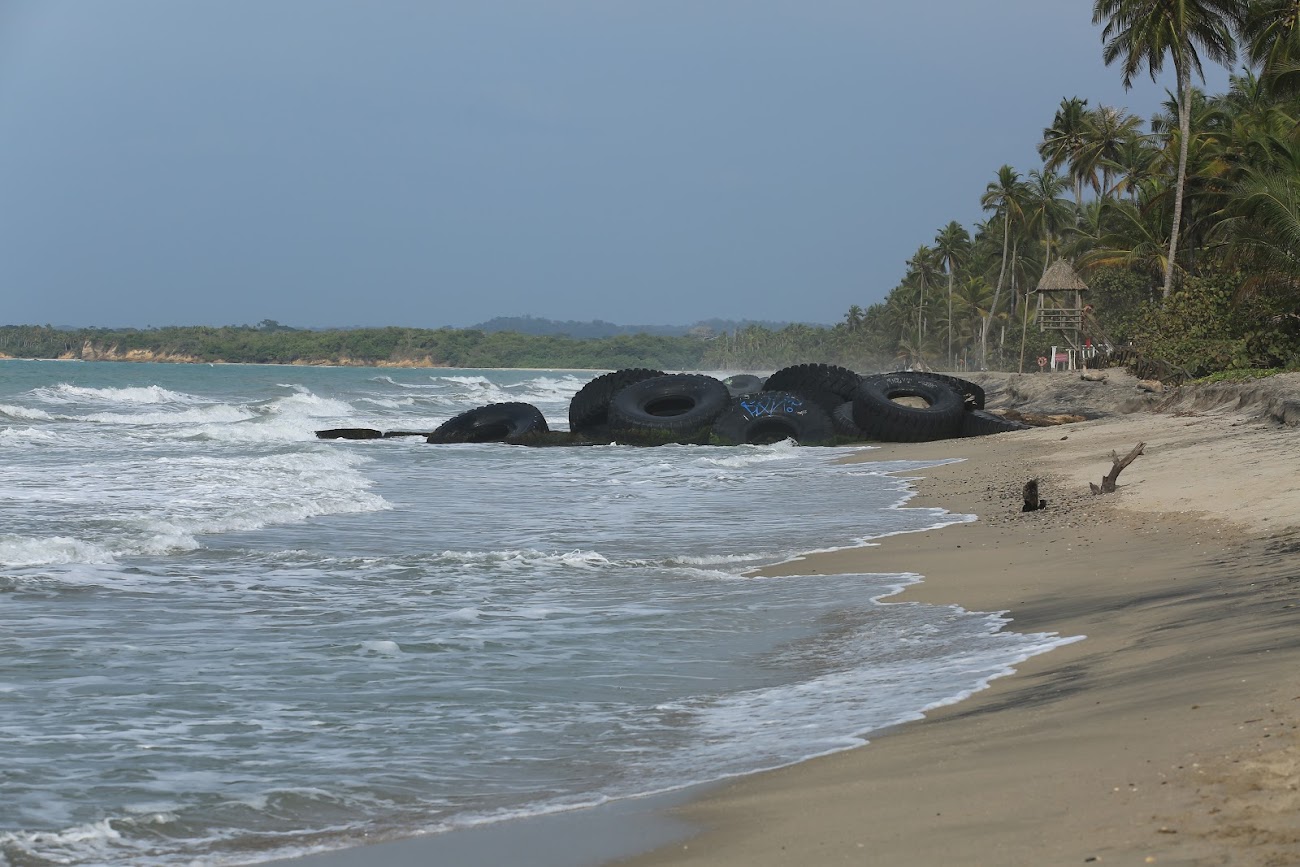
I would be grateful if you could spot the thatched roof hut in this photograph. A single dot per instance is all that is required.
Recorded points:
(1058, 309)
(1060, 277)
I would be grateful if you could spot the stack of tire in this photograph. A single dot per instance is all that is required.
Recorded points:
(812, 404)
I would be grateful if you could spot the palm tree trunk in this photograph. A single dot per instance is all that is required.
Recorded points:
(1047, 249)
(1185, 132)
(951, 362)
(993, 308)
(920, 313)
(1024, 329)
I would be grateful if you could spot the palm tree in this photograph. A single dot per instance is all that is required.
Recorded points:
(1046, 209)
(952, 245)
(1262, 224)
(1105, 132)
(1002, 196)
(1063, 140)
(1142, 32)
(1128, 236)
(853, 319)
(973, 304)
(1270, 34)
(922, 272)
(1135, 162)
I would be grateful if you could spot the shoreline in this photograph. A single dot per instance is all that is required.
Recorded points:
(1168, 735)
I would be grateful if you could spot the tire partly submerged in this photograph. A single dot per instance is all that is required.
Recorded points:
(494, 423)
(770, 417)
(589, 408)
(675, 408)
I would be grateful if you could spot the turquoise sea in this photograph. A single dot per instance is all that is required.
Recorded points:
(226, 641)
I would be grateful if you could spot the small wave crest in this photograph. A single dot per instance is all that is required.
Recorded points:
(527, 558)
(65, 393)
(18, 551)
(26, 436)
(217, 414)
(25, 413)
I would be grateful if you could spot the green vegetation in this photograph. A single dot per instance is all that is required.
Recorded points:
(1187, 233)
(444, 347)
(1221, 292)
(754, 347)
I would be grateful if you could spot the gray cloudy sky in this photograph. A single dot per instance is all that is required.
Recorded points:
(429, 163)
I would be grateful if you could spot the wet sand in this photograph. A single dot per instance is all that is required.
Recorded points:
(1168, 736)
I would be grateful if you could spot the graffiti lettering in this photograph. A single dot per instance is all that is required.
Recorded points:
(770, 406)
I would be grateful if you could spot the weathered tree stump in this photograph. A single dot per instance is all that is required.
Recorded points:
(1117, 466)
(1032, 501)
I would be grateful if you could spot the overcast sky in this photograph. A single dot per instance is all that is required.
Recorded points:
(430, 163)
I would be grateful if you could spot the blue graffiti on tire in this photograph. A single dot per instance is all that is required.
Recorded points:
(768, 406)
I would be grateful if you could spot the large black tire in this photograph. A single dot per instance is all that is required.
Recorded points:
(743, 383)
(971, 393)
(589, 408)
(845, 426)
(770, 417)
(881, 418)
(978, 423)
(825, 384)
(676, 408)
(494, 423)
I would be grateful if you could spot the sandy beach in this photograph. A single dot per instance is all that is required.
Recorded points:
(1167, 736)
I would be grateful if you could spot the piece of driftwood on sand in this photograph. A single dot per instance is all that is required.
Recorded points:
(1117, 466)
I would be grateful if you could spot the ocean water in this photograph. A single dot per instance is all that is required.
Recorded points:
(225, 641)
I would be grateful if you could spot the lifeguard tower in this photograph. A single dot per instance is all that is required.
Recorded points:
(1061, 309)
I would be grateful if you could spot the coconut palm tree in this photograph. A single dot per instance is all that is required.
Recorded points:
(1129, 235)
(1046, 210)
(923, 272)
(1136, 165)
(1002, 196)
(952, 245)
(1063, 140)
(1270, 35)
(1141, 33)
(1106, 130)
(853, 319)
(1264, 230)
(972, 305)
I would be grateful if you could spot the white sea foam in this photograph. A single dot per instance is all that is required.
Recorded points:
(217, 414)
(75, 845)
(307, 405)
(527, 559)
(144, 395)
(382, 647)
(37, 551)
(26, 413)
(26, 436)
(389, 403)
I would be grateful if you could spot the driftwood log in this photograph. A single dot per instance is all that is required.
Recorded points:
(1117, 466)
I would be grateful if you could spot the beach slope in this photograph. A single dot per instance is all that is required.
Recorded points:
(1168, 736)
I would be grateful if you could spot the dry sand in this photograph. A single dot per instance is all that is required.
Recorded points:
(1168, 736)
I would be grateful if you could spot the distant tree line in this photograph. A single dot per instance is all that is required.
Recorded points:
(600, 328)
(753, 347)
